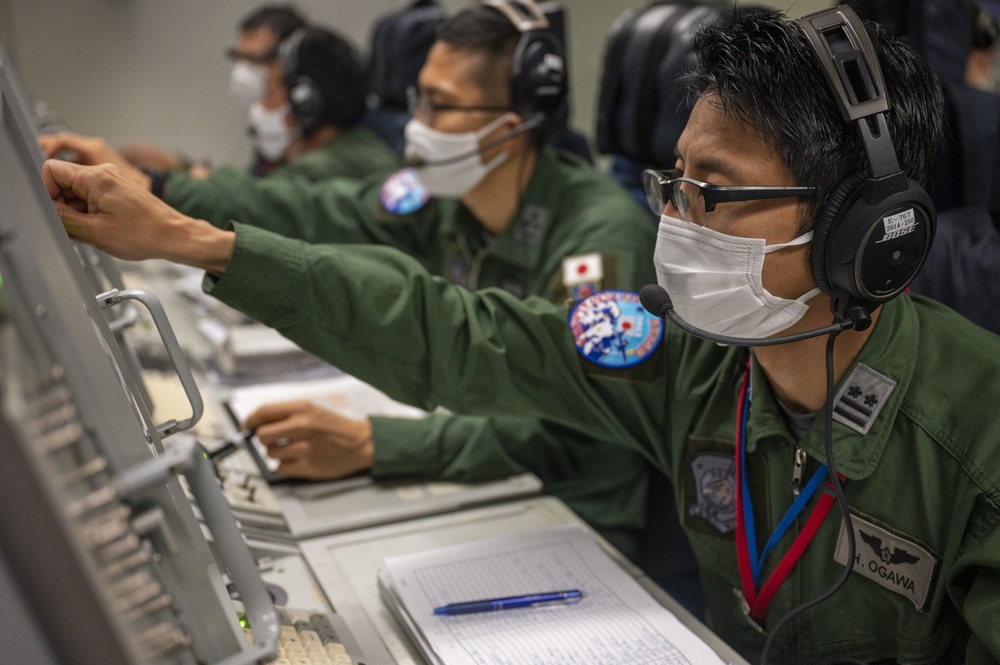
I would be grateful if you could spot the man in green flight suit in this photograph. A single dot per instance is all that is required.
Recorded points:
(484, 206)
(303, 121)
(904, 409)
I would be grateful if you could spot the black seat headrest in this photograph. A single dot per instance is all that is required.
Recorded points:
(399, 45)
(641, 112)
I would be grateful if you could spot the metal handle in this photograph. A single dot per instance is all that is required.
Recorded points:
(188, 457)
(129, 315)
(174, 352)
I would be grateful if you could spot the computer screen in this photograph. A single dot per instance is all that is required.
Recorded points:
(101, 556)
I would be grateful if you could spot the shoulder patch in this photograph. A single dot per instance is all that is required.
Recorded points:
(861, 398)
(895, 562)
(582, 268)
(582, 275)
(402, 193)
(612, 329)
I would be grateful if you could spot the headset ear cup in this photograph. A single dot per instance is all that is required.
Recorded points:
(828, 218)
(306, 102)
(865, 253)
(538, 75)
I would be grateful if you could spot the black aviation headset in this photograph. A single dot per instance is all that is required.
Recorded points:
(875, 231)
(538, 71)
(304, 95)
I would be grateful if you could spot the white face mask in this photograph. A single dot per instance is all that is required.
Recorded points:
(714, 280)
(462, 168)
(270, 135)
(247, 82)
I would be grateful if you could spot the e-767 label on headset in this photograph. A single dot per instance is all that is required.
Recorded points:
(899, 224)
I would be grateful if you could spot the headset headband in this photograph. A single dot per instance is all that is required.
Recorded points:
(524, 14)
(848, 60)
(288, 50)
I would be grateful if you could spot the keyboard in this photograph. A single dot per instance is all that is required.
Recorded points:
(309, 638)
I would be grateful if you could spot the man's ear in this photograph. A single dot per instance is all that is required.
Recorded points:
(517, 132)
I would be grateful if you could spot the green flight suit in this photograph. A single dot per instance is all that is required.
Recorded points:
(568, 209)
(355, 153)
(923, 484)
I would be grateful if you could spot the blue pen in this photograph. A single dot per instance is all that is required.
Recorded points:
(509, 603)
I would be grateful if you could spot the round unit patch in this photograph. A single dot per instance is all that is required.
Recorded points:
(613, 329)
(403, 193)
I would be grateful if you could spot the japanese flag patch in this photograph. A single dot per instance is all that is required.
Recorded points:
(582, 269)
(612, 329)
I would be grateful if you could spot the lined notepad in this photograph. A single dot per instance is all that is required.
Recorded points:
(617, 621)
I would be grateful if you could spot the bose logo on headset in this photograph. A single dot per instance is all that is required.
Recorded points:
(875, 231)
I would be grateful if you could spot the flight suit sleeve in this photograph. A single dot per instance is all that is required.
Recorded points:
(605, 484)
(378, 315)
(310, 168)
(975, 587)
(339, 210)
(470, 448)
(446, 447)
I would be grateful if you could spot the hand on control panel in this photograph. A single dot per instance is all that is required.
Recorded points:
(312, 442)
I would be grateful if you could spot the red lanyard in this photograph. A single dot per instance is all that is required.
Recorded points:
(759, 601)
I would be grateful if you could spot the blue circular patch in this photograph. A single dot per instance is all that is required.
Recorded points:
(402, 193)
(613, 329)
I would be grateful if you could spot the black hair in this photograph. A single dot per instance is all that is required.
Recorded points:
(763, 72)
(339, 73)
(282, 20)
(492, 39)
(489, 34)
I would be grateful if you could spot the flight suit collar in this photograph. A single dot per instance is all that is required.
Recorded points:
(522, 243)
(867, 398)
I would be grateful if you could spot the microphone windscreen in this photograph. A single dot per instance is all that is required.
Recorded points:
(655, 299)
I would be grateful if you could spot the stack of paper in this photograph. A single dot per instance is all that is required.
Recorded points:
(256, 350)
(615, 622)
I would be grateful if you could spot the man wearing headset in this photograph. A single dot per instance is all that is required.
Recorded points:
(305, 92)
(486, 205)
(254, 82)
(772, 173)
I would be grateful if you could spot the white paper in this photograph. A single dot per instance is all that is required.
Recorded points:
(616, 622)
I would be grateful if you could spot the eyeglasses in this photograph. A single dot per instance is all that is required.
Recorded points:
(428, 110)
(254, 58)
(695, 199)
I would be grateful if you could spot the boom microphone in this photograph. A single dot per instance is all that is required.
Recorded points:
(656, 300)
(416, 162)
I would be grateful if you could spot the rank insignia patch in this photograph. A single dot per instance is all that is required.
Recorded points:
(403, 193)
(612, 329)
(861, 398)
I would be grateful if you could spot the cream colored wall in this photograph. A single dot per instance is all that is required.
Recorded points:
(154, 69)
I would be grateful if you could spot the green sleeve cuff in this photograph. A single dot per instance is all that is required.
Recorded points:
(397, 452)
(258, 253)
